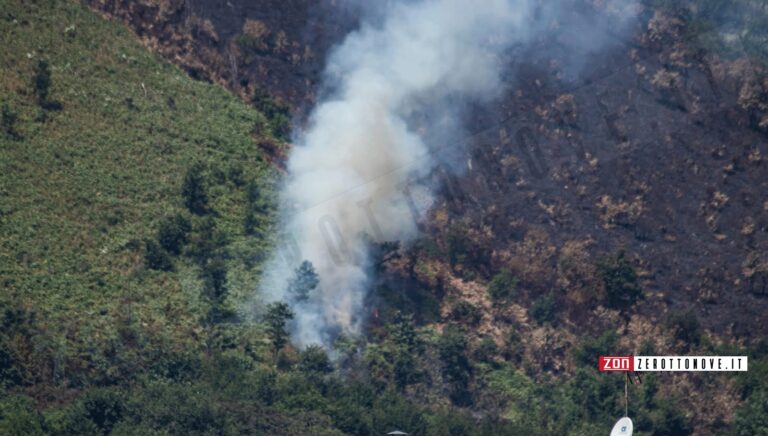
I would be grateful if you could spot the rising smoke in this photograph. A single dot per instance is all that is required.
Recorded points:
(361, 146)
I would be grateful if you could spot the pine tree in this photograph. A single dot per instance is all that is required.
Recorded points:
(277, 316)
(305, 279)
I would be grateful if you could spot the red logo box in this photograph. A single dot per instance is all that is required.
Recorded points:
(616, 363)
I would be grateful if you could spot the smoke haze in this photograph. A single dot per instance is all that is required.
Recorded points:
(361, 146)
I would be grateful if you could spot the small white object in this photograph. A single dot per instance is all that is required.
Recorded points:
(623, 427)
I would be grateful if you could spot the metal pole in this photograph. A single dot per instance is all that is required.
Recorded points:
(626, 394)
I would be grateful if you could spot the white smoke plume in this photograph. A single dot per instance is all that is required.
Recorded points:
(347, 171)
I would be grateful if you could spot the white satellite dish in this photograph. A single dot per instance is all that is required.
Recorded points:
(623, 427)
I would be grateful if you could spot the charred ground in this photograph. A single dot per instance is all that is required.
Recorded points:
(620, 209)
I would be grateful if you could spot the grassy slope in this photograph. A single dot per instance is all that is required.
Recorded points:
(86, 185)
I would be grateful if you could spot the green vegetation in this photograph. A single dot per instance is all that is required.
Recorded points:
(543, 309)
(457, 369)
(503, 286)
(155, 257)
(620, 280)
(8, 121)
(42, 86)
(135, 213)
(728, 27)
(686, 328)
(278, 315)
(305, 279)
(278, 115)
(194, 190)
(173, 233)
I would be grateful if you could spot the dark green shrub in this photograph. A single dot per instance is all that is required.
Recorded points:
(177, 366)
(8, 123)
(669, 420)
(406, 348)
(486, 350)
(620, 280)
(9, 374)
(18, 416)
(207, 242)
(155, 257)
(314, 360)
(173, 233)
(193, 190)
(686, 327)
(513, 348)
(391, 412)
(104, 407)
(235, 174)
(503, 286)
(543, 309)
(278, 115)
(402, 332)
(42, 80)
(42, 86)
(457, 370)
(214, 275)
(752, 417)
(591, 348)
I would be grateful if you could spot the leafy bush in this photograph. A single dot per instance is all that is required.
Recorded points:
(314, 360)
(278, 114)
(214, 276)
(42, 80)
(155, 257)
(457, 370)
(486, 350)
(105, 407)
(543, 309)
(592, 347)
(752, 417)
(503, 286)
(406, 349)
(207, 242)
(669, 420)
(173, 233)
(8, 123)
(620, 280)
(9, 374)
(42, 85)
(193, 190)
(18, 417)
(686, 327)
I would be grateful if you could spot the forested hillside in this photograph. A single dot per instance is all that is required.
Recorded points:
(140, 160)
